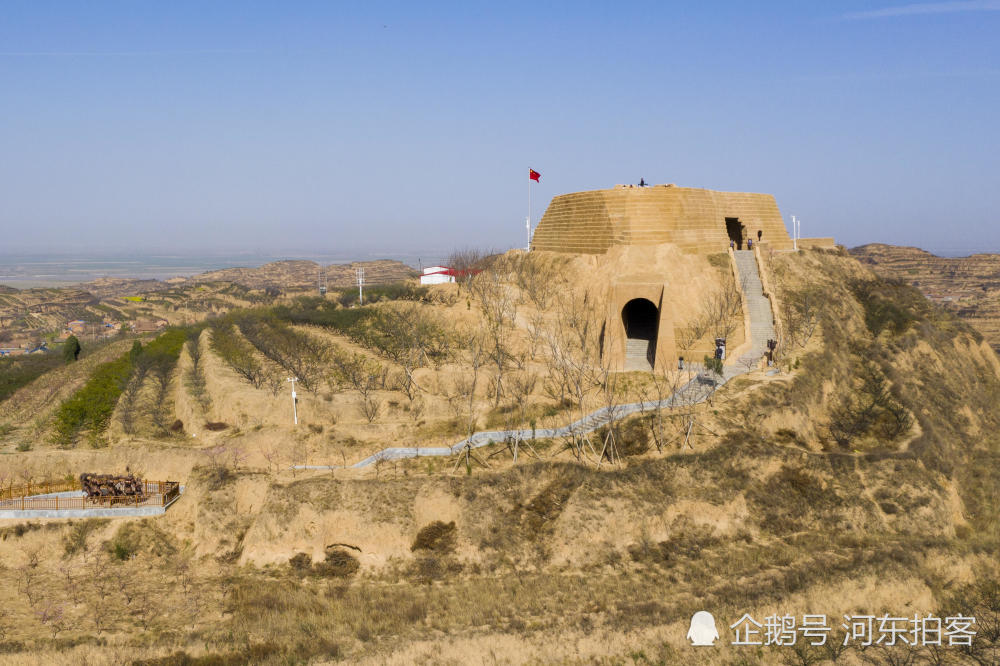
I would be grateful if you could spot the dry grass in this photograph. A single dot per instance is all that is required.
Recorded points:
(553, 560)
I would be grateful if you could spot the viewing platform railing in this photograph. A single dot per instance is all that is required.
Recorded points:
(31, 497)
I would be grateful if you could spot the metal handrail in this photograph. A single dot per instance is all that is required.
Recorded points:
(157, 493)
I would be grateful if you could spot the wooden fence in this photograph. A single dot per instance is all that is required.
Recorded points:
(155, 493)
(39, 488)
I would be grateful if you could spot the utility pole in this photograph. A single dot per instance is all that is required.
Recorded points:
(295, 411)
(795, 233)
(361, 283)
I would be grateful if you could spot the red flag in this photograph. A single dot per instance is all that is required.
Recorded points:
(534, 175)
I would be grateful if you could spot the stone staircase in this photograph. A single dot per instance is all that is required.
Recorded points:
(759, 306)
(637, 354)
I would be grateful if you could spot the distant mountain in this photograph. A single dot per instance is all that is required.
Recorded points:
(112, 287)
(26, 314)
(288, 274)
(968, 286)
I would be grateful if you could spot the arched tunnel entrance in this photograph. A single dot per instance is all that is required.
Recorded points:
(641, 319)
(735, 232)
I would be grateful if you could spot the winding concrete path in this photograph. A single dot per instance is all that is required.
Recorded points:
(696, 390)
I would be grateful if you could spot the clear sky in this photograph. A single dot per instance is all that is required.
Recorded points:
(386, 127)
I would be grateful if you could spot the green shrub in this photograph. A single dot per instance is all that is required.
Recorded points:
(400, 291)
(142, 536)
(713, 364)
(18, 371)
(91, 407)
(121, 550)
(168, 343)
(71, 349)
(75, 541)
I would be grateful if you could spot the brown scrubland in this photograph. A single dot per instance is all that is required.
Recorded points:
(860, 478)
(966, 286)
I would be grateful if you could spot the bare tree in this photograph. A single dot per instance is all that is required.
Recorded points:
(364, 375)
(302, 355)
(658, 399)
(27, 576)
(412, 338)
(473, 353)
(7, 476)
(573, 355)
(274, 381)
(466, 262)
(522, 384)
(161, 368)
(195, 376)
(723, 308)
(540, 279)
(612, 391)
(693, 332)
(146, 608)
(802, 309)
(128, 402)
(536, 333)
(497, 300)
(52, 614)
(237, 354)
(71, 584)
(272, 454)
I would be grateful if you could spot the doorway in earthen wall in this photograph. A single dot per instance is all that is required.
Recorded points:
(640, 319)
(735, 231)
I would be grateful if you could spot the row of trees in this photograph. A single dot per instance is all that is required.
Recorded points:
(194, 378)
(264, 349)
(91, 407)
(147, 390)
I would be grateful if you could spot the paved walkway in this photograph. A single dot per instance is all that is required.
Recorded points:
(7, 513)
(696, 390)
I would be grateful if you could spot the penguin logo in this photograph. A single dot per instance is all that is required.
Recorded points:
(702, 631)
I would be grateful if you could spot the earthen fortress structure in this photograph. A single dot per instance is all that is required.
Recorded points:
(693, 219)
(659, 238)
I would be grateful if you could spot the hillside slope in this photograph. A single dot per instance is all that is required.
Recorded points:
(861, 478)
(968, 286)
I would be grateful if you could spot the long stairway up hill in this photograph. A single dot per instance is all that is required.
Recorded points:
(759, 306)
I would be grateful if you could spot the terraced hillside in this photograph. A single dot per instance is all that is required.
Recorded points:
(968, 286)
(28, 316)
(303, 274)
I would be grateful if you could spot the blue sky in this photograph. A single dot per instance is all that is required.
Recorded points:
(409, 127)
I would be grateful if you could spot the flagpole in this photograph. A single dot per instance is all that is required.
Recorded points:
(527, 223)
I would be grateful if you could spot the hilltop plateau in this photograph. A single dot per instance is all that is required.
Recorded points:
(858, 474)
(304, 274)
